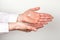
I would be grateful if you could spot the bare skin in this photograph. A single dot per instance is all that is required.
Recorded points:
(31, 20)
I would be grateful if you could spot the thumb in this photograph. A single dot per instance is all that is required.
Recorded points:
(32, 28)
(35, 9)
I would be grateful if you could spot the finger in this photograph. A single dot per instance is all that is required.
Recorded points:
(45, 15)
(49, 16)
(43, 23)
(25, 30)
(35, 9)
(45, 20)
(28, 30)
(49, 20)
(37, 27)
(32, 28)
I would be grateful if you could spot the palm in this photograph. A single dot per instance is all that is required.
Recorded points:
(29, 16)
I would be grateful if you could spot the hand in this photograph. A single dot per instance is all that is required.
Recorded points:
(38, 20)
(44, 19)
(29, 16)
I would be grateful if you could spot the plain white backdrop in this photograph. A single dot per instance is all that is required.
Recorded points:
(49, 32)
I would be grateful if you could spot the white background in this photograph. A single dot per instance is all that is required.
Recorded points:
(49, 32)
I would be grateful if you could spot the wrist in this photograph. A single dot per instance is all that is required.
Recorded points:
(11, 26)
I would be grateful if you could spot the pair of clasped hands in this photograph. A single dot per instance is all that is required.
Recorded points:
(30, 20)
